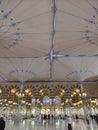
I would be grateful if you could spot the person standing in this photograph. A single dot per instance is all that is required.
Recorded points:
(2, 123)
(69, 124)
(39, 118)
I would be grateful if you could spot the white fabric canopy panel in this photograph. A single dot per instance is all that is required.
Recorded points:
(25, 27)
(24, 69)
(76, 26)
(75, 68)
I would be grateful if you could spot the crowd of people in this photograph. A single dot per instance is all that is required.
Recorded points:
(95, 117)
(40, 117)
(86, 118)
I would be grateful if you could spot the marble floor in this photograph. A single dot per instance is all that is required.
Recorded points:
(31, 124)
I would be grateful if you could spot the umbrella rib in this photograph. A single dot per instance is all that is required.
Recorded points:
(53, 35)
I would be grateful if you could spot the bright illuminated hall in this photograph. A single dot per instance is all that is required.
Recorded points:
(49, 64)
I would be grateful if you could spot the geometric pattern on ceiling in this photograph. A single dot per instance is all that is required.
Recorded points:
(25, 27)
(75, 68)
(24, 69)
(48, 39)
(76, 27)
(38, 69)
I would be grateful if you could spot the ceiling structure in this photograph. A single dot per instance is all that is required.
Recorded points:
(48, 40)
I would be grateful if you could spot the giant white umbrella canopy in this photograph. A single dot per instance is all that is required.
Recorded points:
(48, 40)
